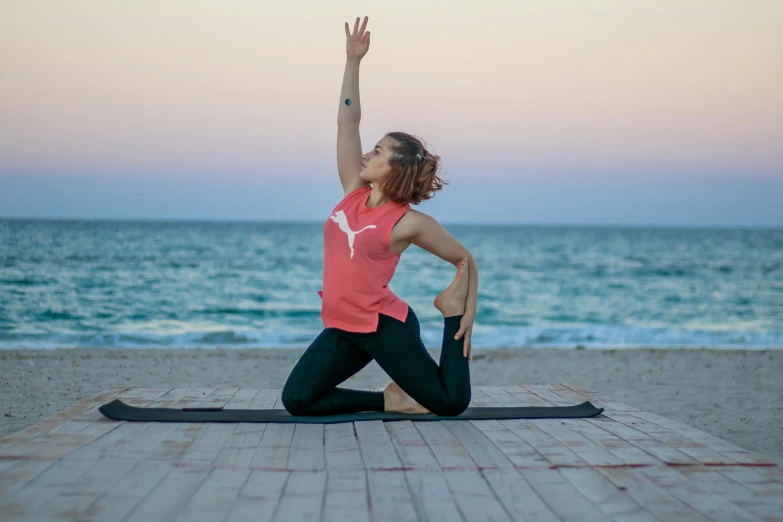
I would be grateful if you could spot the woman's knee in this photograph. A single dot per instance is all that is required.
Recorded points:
(294, 400)
(453, 406)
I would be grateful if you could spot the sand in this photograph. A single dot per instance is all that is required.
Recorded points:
(735, 395)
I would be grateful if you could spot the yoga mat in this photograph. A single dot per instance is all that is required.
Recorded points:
(118, 410)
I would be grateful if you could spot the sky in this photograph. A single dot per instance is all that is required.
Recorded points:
(568, 112)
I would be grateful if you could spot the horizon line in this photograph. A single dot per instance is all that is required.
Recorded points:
(489, 223)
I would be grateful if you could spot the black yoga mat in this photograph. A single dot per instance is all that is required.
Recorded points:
(118, 410)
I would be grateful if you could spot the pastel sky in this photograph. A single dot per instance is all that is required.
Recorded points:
(566, 112)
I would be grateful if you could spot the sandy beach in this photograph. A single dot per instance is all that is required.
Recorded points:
(733, 394)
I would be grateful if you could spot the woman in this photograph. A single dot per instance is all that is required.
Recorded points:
(363, 240)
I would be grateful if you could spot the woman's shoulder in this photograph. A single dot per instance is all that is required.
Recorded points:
(411, 223)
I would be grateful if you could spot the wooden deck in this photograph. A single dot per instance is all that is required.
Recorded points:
(625, 465)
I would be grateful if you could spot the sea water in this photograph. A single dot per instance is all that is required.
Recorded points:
(253, 284)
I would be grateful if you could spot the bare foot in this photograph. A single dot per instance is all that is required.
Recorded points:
(452, 300)
(394, 399)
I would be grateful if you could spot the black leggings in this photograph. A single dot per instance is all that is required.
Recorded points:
(336, 354)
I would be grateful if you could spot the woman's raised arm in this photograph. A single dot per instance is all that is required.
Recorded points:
(349, 114)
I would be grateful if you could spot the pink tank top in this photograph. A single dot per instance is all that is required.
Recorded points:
(358, 264)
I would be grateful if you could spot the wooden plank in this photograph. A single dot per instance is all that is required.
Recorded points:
(120, 441)
(242, 399)
(307, 448)
(411, 447)
(275, 444)
(170, 398)
(214, 498)
(766, 505)
(224, 394)
(20, 473)
(166, 500)
(647, 443)
(552, 450)
(618, 447)
(242, 443)
(525, 397)
(547, 395)
(346, 496)
(210, 441)
(141, 396)
(516, 450)
(45, 486)
(54, 420)
(657, 501)
(587, 450)
(474, 497)
(197, 397)
(561, 496)
(480, 398)
(302, 497)
(390, 499)
(146, 442)
(712, 506)
(60, 435)
(574, 396)
(713, 446)
(762, 481)
(342, 447)
(205, 449)
(502, 396)
(177, 442)
(446, 448)
(46, 446)
(604, 495)
(259, 498)
(274, 447)
(124, 496)
(696, 451)
(605, 402)
(517, 496)
(377, 449)
(480, 448)
(773, 473)
(431, 497)
(266, 399)
(64, 437)
(75, 496)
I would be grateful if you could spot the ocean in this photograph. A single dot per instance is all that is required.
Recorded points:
(67, 283)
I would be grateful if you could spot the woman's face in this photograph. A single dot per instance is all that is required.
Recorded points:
(375, 164)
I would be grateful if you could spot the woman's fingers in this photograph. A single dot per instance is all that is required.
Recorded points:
(356, 30)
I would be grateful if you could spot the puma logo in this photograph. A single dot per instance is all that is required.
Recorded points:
(340, 218)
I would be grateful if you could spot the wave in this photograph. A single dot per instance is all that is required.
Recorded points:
(588, 336)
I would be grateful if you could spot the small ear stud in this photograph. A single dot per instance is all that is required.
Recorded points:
(348, 102)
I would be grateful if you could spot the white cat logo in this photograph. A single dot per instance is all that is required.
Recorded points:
(340, 219)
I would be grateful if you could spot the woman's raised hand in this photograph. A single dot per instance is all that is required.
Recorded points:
(358, 43)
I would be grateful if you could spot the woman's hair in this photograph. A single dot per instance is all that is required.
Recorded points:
(413, 176)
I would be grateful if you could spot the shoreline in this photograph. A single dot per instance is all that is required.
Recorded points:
(734, 394)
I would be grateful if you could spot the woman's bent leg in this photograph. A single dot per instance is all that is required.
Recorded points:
(328, 361)
(443, 389)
